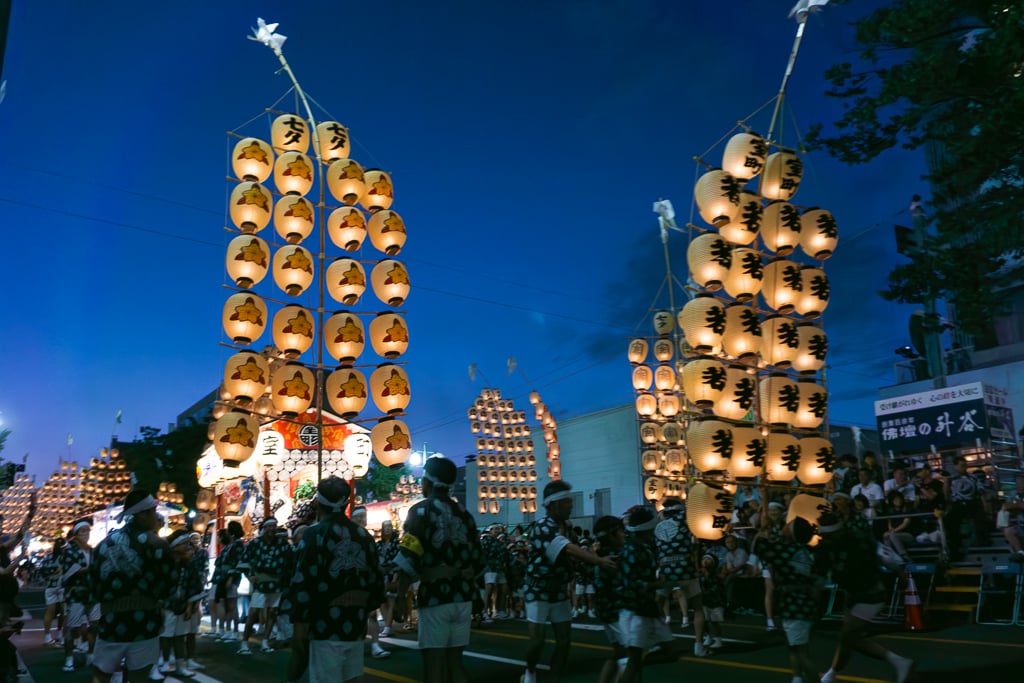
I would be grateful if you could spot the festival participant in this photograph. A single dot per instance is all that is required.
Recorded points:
(131, 575)
(855, 566)
(387, 550)
(298, 653)
(372, 622)
(180, 604)
(610, 536)
(51, 572)
(200, 566)
(640, 622)
(268, 558)
(677, 561)
(227, 574)
(548, 573)
(440, 548)
(82, 613)
(496, 558)
(337, 583)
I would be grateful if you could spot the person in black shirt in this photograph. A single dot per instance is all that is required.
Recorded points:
(610, 535)
(640, 621)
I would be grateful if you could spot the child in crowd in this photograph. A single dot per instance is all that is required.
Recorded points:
(712, 590)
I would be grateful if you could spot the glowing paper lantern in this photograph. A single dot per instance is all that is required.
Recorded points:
(813, 405)
(390, 282)
(346, 391)
(664, 378)
(389, 335)
(742, 338)
(674, 461)
(783, 458)
(346, 181)
(718, 197)
(346, 280)
(387, 232)
(637, 352)
(291, 389)
(748, 452)
(389, 386)
(642, 378)
(668, 405)
(746, 274)
(293, 173)
(779, 399)
(780, 228)
(663, 349)
(347, 228)
(248, 260)
(289, 132)
(817, 461)
(708, 511)
(744, 227)
(818, 233)
(709, 258)
(246, 375)
(813, 349)
(293, 218)
(650, 432)
(380, 193)
(738, 397)
(392, 443)
(807, 506)
(293, 269)
(344, 336)
(813, 299)
(250, 207)
(333, 140)
(663, 322)
(654, 488)
(782, 174)
(650, 460)
(293, 330)
(703, 382)
(671, 433)
(244, 317)
(782, 285)
(252, 159)
(234, 437)
(780, 341)
(702, 321)
(744, 156)
(709, 443)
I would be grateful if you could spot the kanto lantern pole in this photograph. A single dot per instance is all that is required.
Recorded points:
(799, 12)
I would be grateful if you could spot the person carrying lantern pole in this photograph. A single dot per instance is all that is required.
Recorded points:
(82, 615)
(678, 566)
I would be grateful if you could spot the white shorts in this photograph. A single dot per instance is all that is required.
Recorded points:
(494, 577)
(78, 616)
(331, 661)
(141, 654)
(445, 625)
(263, 600)
(175, 625)
(866, 611)
(584, 589)
(54, 596)
(689, 587)
(715, 614)
(613, 632)
(798, 631)
(539, 612)
(642, 632)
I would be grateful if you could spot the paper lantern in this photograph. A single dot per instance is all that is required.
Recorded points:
(389, 386)
(742, 338)
(248, 260)
(703, 382)
(783, 457)
(390, 282)
(654, 488)
(334, 142)
(392, 443)
(746, 274)
(780, 228)
(380, 193)
(389, 335)
(718, 197)
(250, 207)
(199, 523)
(744, 156)
(778, 399)
(293, 173)
(293, 329)
(813, 349)
(535, 397)
(709, 258)
(206, 499)
(708, 511)
(346, 391)
(650, 460)
(637, 352)
(291, 389)
(642, 378)
(346, 280)
(744, 227)
(702, 321)
(814, 295)
(674, 461)
(748, 452)
(252, 159)
(671, 433)
(346, 181)
(813, 405)
(664, 378)
(782, 174)
(780, 341)
(293, 218)
(807, 506)
(234, 437)
(818, 233)
(293, 269)
(344, 336)
(650, 432)
(244, 317)
(709, 443)
(663, 322)
(387, 232)
(246, 375)
(663, 349)
(738, 398)
(347, 228)
(668, 405)
(817, 461)
(782, 285)
(289, 132)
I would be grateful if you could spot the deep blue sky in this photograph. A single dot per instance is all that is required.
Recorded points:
(526, 141)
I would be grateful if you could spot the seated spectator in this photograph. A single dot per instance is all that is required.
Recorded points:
(900, 482)
(930, 494)
(732, 567)
(845, 475)
(870, 463)
(843, 506)
(862, 507)
(867, 487)
(900, 531)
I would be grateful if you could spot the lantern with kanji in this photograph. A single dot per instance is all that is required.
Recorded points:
(815, 292)
(704, 382)
(708, 511)
(782, 174)
(709, 258)
(702, 321)
(778, 399)
(709, 443)
(782, 285)
(818, 233)
(744, 156)
(783, 457)
(780, 228)
(742, 338)
(718, 197)
(817, 461)
(749, 448)
(813, 404)
(746, 274)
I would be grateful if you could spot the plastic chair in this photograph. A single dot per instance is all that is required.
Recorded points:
(999, 579)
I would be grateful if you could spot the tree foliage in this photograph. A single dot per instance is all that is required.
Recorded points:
(379, 481)
(946, 78)
(170, 457)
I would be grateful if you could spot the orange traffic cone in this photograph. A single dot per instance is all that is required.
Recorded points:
(913, 618)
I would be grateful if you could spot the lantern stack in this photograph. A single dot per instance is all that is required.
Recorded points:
(16, 500)
(105, 482)
(334, 237)
(168, 493)
(55, 501)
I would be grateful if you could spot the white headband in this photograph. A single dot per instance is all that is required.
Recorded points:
(673, 508)
(184, 538)
(555, 497)
(147, 503)
(646, 526)
(330, 505)
(79, 525)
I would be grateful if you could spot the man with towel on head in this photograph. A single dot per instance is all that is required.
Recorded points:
(81, 615)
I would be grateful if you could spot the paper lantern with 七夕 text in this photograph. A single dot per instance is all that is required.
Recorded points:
(813, 404)
(344, 336)
(289, 132)
(744, 227)
(252, 160)
(248, 259)
(293, 269)
(389, 335)
(718, 197)
(749, 449)
(742, 338)
(813, 349)
(346, 391)
(783, 457)
(234, 437)
(702, 321)
(642, 378)
(744, 156)
(334, 141)
(780, 228)
(244, 317)
(815, 292)
(346, 280)
(387, 232)
(703, 382)
(291, 389)
(817, 461)
(293, 173)
(250, 207)
(246, 375)
(392, 443)
(782, 174)
(746, 275)
(294, 218)
(389, 386)
(346, 180)
(818, 233)
(708, 511)
(709, 257)
(347, 228)
(380, 193)
(709, 443)
(637, 353)
(778, 399)
(294, 328)
(782, 285)
(780, 341)
(738, 397)
(390, 281)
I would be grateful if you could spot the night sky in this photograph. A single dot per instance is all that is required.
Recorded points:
(526, 141)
